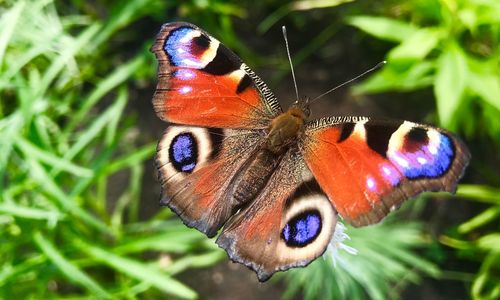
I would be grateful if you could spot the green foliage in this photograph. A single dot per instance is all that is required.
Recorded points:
(450, 45)
(65, 141)
(292, 6)
(71, 156)
(484, 248)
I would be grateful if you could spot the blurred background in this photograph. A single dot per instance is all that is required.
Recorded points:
(79, 212)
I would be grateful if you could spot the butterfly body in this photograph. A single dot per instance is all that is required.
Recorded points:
(255, 177)
(285, 129)
(275, 181)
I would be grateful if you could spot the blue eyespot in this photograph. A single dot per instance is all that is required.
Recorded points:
(186, 50)
(183, 152)
(302, 229)
(430, 161)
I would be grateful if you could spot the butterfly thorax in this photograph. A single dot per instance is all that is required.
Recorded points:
(284, 129)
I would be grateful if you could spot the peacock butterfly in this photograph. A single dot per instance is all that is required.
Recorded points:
(231, 157)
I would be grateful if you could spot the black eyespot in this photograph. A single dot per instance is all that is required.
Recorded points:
(183, 152)
(415, 139)
(418, 134)
(202, 41)
(302, 229)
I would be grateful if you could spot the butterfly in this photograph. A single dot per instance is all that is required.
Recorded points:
(274, 181)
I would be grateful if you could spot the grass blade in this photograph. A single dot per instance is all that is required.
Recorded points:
(30, 150)
(47, 184)
(120, 75)
(8, 24)
(69, 270)
(141, 272)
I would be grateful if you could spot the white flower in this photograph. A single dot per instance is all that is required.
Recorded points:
(336, 244)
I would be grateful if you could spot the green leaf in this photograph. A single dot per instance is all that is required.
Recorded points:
(10, 128)
(490, 242)
(71, 271)
(126, 12)
(177, 241)
(486, 286)
(10, 271)
(398, 76)
(51, 216)
(487, 86)
(481, 193)
(140, 271)
(68, 54)
(32, 151)
(315, 4)
(489, 215)
(384, 28)
(8, 23)
(96, 127)
(121, 101)
(131, 159)
(105, 85)
(450, 84)
(196, 261)
(47, 183)
(417, 45)
(287, 8)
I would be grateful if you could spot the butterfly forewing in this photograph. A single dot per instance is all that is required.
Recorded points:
(203, 83)
(368, 167)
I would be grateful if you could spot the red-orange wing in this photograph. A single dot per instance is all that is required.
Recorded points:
(203, 83)
(288, 225)
(197, 167)
(368, 167)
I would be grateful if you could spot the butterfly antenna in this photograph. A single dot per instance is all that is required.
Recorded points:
(379, 65)
(290, 60)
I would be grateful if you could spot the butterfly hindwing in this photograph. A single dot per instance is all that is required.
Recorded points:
(196, 168)
(288, 225)
(369, 167)
(203, 83)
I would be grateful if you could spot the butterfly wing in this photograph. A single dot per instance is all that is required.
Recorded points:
(197, 167)
(369, 167)
(203, 83)
(288, 225)
(220, 107)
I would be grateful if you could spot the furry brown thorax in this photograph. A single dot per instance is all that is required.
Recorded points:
(285, 128)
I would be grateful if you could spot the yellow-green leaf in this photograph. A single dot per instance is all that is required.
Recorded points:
(449, 84)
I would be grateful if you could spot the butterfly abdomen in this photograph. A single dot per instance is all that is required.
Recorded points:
(256, 175)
